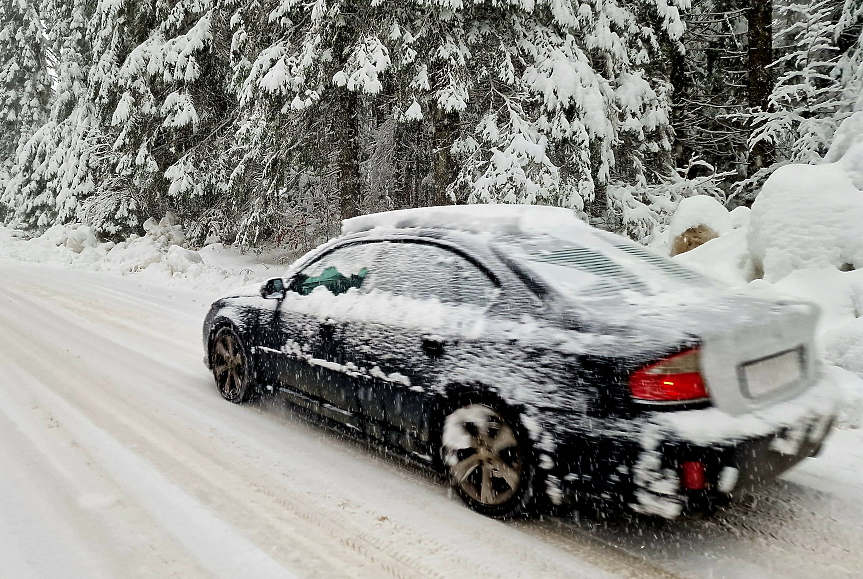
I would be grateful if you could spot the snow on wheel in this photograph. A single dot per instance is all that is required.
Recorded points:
(487, 460)
(231, 366)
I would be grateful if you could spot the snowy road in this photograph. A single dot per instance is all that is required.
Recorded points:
(118, 458)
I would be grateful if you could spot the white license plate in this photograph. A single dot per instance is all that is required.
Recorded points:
(765, 376)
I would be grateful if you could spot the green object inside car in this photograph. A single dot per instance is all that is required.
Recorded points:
(331, 279)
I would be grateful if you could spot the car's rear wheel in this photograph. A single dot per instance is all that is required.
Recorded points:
(489, 460)
(231, 366)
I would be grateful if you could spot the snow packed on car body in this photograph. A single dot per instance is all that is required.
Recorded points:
(529, 355)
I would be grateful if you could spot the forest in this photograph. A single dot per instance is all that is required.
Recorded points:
(269, 121)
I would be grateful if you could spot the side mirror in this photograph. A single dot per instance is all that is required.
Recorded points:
(273, 289)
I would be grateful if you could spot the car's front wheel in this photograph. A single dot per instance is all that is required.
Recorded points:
(489, 460)
(231, 366)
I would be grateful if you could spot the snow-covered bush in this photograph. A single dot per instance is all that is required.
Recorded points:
(811, 215)
(75, 237)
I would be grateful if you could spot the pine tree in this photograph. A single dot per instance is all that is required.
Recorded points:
(711, 86)
(273, 119)
(25, 82)
(760, 77)
(53, 168)
(818, 78)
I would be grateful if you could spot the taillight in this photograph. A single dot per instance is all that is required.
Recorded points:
(674, 379)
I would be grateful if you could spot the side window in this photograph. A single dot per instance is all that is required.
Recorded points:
(338, 271)
(423, 271)
(472, 285)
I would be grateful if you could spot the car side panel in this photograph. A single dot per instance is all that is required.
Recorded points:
(308, 355)
(391, 369)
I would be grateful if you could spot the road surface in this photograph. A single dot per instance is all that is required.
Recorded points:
(118, 458)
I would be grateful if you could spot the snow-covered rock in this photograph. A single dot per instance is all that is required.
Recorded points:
(700, 210)
(696, 220)
(807, 216)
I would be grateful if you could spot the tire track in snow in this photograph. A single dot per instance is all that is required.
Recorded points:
(190, 522)
(167, 445)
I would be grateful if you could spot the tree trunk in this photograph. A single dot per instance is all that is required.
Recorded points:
(348, 152)
(760, 20)
(677, 78)
(445, 170)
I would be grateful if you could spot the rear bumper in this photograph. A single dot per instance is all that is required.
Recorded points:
(647, 464)
(652, 481)
(760, 461)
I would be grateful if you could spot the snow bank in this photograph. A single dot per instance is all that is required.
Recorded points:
(159, 255)
(807, 216)
(812, 215)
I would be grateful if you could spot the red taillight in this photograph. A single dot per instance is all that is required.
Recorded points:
(692, 475)
(675, 379)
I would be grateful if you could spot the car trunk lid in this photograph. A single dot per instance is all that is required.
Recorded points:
(764, 354)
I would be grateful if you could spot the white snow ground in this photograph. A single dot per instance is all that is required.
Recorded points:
(120, 459)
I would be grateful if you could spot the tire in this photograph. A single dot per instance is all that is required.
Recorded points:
(489, 460)
(232, 366)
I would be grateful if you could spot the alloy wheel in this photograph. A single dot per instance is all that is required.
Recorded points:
(229, 365)
(483, 455)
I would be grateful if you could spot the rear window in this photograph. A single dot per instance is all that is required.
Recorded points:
(602, 270)
(583, 271)
(664, 264)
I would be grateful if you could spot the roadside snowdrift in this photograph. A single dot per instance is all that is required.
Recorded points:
(159, 255)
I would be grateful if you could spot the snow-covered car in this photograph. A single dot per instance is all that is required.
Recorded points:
(530, 356)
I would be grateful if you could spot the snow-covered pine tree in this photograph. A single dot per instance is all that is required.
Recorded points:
(711, 87)
(807, 103)
(25, 81)
(818, 65)
(54, 168)
(161, 81)
(569, 100)
(535, 102)
(261, 119)
(849, 39)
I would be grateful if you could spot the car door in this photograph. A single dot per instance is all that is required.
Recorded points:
(307, 325)
(423, 305)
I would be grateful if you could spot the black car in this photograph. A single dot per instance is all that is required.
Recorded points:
(530, 356)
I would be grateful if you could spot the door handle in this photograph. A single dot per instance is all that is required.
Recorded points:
(433, 347)
(328, 329)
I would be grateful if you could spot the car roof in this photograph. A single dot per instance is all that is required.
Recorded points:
(496, 220)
